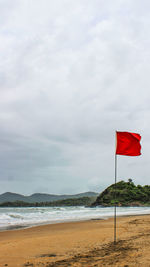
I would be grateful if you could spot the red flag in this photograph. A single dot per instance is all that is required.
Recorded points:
(128, 144)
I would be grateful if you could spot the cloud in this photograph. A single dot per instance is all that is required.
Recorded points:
(71, 74)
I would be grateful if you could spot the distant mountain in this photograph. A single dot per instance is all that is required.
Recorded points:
(38, 197)
(8, 196)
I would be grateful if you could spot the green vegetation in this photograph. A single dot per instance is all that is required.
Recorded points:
(124, 194)
(83, 201)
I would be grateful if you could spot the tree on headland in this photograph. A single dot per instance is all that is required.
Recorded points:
(126, 194)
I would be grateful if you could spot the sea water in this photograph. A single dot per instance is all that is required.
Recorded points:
(13, 218)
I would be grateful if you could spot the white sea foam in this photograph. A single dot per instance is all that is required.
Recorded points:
(25, 217)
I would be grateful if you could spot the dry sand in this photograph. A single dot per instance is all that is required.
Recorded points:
(88, 243)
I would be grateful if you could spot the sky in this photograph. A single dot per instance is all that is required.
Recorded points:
(71, 74)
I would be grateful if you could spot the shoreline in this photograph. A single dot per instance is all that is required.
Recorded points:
(104, 218)
(82, 243)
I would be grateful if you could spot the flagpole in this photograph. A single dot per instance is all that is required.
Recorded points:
(115, 207)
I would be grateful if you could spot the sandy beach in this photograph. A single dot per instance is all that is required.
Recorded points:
(86, 243)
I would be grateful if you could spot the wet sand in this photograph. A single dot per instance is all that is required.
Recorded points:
(88, 243)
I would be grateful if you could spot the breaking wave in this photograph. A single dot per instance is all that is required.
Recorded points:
(25, 217)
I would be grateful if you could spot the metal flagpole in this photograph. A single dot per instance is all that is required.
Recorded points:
(115, 207)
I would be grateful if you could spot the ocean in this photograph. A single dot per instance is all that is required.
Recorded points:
(14, 218)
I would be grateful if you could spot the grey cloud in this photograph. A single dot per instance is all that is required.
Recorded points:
(71, 74)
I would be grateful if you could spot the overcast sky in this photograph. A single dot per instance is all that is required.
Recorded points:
(71, 74)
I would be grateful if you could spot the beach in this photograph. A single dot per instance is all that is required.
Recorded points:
(84, 243)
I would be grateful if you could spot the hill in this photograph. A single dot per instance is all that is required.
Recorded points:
(127, 194)
(38, 197)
